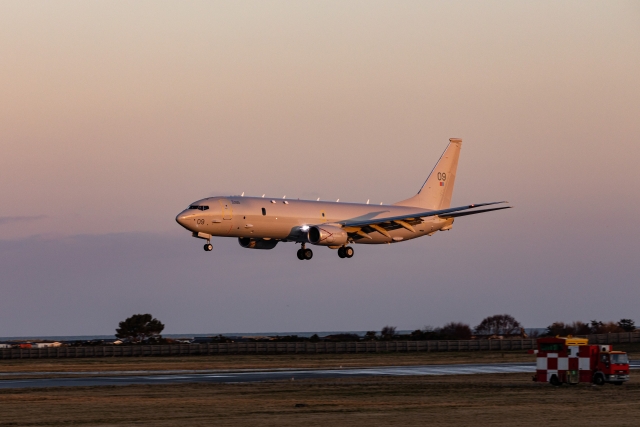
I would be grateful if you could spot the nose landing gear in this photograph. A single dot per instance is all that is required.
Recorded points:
(345, 252)
(208, 247)
(304, 253)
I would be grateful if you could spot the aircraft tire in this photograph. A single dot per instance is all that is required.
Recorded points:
(208, 247)
(300, 254)
(308, 253)
(348, 251)
(341, 252)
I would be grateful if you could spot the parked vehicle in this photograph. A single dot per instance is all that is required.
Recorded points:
(573, 360)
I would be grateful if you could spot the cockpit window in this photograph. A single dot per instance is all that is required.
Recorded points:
(200, 208)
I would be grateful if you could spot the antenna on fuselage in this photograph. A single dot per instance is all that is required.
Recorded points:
(337, 200)
(284, 197)
(242, 195)
(318, 199)
(263, 195)
(367, 201)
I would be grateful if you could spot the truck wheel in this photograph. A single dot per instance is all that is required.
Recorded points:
(555, 381)
(598, 379)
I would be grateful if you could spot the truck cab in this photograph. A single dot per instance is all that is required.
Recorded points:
(612, 367)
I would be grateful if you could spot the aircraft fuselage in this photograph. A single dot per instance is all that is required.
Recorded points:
(289, 219)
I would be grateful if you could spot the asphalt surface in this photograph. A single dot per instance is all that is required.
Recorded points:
(266, 375)
(174, 377)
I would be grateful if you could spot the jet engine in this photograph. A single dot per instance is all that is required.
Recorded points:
(249, 243)
(327, 235)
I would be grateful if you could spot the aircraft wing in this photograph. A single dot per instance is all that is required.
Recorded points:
(457, 214)
(425, 214)
(363, 227)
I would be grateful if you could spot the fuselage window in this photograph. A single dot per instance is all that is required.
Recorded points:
(264, 211)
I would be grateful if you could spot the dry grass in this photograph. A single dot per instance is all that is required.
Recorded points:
(466, 400)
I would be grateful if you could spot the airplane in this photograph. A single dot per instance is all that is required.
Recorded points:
(262, 223)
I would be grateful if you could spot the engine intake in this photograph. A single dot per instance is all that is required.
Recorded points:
(327, 235)
(249, 243)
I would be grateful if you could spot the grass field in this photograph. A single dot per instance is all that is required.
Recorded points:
(295, 361)
(465, 400)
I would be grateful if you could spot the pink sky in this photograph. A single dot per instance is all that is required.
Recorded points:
(114, 116)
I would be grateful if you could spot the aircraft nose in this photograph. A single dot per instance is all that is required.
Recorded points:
(182, 219)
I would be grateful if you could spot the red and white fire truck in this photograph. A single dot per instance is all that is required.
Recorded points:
(573, 360)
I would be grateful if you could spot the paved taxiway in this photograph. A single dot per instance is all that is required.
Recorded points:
(272, 375)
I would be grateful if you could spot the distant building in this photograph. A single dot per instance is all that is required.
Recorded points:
(45, 344)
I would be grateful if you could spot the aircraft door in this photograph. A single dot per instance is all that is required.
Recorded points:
(225, 205)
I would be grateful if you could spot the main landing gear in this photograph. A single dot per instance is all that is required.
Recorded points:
(304, 253)
(345, 252)
(208, 247)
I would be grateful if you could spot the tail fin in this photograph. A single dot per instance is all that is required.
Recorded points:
(437, 190)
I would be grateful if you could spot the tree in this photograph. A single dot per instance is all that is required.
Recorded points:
(139, 328)
(627, 325)
(557, 329)
(388, 332)
(370, 335)
(456, 331)
(597, 327)
(498, 324)
(564, 329)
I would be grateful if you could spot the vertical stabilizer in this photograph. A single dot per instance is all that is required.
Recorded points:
(438, 188)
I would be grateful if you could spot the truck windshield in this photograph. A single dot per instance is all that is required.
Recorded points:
(619, 359)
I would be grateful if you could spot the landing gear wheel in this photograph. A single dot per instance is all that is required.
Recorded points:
(341, 252)
(598, 379)
(348, 251)
(300, 254)
(555, 381)
(208, 247)
(308, 253)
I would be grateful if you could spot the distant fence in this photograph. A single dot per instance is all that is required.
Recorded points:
(296, 347)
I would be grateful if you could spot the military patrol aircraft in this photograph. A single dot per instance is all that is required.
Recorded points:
(261, 223)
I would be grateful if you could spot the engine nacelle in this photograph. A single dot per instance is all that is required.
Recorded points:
(327, 235)
(249, 243)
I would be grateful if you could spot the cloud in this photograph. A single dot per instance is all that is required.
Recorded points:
(20, 218)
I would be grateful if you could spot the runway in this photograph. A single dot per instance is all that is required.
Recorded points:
(265, 375)
(244, 376)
